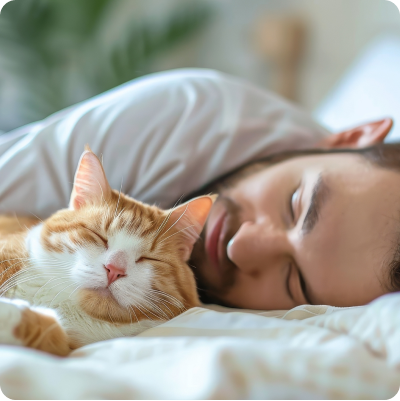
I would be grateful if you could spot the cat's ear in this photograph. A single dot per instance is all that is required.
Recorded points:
(189, 218)
(90, 184)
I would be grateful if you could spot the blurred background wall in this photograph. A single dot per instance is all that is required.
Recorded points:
(54, 53)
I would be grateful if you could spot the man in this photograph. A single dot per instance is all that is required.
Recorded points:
(313, 228)
(318, 228)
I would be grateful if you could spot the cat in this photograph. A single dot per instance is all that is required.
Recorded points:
(106, 267)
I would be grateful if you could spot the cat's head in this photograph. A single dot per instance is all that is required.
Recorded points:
(126, 260)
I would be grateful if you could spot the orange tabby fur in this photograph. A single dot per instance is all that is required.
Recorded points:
(89, 223)
(42, 332)
(12, 247)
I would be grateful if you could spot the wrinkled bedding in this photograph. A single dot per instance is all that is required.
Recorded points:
(310, 352)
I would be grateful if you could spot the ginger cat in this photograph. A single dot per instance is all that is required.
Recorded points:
(109, 266)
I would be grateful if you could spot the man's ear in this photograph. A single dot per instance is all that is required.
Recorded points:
(360, 137)
(90, 184)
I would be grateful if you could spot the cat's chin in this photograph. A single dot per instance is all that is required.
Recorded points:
(100, 304)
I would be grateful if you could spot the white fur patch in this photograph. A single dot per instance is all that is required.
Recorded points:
(10, 318)
(49, 279)
(58, 277)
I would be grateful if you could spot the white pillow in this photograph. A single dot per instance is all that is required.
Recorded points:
(161, 136)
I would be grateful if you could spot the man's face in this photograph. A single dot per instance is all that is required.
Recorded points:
(313, 229)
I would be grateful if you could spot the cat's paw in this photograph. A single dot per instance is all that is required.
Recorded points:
(10, 318)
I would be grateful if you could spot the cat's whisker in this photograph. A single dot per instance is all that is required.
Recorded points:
(37, 217)
(69, 297)
(178, 201)
(49, 260)
(55, 263)
(157, 310)
(102, 193)
(16, 218)
(166, 295)
(8, 260)
(50, 263)
(164, 222)
(176, 221)
(58, 278)
(161, 302)
(166, 218)
(9, 267)
(130, 315)
(51, 303)
(119, 214)
(14, 277)
(171, 209)
(164, 302)
(109, 315)
(141, 305)
(55, 266)
(22, 273)
(44, 285)
(171, 300)
(21, 268)
(154, 297)
(162, 294)
(54, 269)
(153, 305)
(26, 279)
(13, 281)
(183, 229)
(119, 196)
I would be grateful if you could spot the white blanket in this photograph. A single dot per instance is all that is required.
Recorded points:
(310, 352)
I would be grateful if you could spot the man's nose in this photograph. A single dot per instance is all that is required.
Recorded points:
(256, 246)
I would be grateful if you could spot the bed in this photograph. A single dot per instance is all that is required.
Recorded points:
(309, 352)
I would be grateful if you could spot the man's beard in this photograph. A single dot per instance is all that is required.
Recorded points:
(214, 292)
(207, 293)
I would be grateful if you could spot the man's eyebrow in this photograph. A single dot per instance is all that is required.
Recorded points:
(319, 195)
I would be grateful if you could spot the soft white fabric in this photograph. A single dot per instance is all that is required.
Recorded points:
(327, 353)
(163, 136)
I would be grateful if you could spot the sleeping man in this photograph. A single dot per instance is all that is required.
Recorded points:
(303, 216)
(318, 227)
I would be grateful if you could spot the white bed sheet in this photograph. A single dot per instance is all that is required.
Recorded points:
(311, 352)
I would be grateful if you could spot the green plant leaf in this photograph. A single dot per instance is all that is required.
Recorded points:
(54, 55)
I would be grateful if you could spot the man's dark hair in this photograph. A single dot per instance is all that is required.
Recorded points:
(382, 155)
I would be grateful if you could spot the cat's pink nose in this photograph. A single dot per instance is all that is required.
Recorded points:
(114, 273)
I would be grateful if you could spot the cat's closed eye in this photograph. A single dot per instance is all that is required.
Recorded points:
(144, 259)
(104, 240)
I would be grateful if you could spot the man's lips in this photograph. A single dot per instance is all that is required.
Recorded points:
(213, 240)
